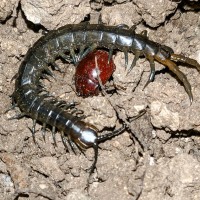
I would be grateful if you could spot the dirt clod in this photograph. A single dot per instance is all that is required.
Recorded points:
(157, 157)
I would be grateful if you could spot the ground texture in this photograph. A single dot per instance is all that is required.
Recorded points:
(157, 158)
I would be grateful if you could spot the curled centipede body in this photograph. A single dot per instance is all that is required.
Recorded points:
(31, 100)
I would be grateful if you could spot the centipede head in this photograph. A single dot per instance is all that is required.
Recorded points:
(83, 135)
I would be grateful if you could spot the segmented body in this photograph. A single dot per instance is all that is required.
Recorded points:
(92, 69)
(85, 37)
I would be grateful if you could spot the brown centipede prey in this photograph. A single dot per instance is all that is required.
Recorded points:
(29, 96)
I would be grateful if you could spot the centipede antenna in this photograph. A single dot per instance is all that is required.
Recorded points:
(107, 136)
(95, 147)
(141, 112)
(93, 166)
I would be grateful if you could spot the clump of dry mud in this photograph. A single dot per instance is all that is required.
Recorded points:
(158, 158)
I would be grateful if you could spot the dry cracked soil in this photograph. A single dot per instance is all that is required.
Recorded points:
(157, 158)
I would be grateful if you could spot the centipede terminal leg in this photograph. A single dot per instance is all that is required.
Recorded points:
(173, 67)
(183, 59)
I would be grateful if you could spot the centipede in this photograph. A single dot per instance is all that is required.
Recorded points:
(33, 102)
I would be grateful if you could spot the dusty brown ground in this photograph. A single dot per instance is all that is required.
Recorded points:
(169, 165)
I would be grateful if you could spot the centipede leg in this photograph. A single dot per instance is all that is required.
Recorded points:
(61, 104)
(144, 33)
(73, 55)
(49, 72)
(56, 66)
(11, 108)
(133, 28)
(152, 70)
(88, 50)
(44, 131)
(54, 135)
(33, 130)
(126, 58)
(14, 77)
(70, 105)
(64, 141)
(65, 57)
(44, 76)
(82, 48)
(71, 144)
(173, 67)
(18, 116)
(137, 55)
(110, 55)
(123, 26)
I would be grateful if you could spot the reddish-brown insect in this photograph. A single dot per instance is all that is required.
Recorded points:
(88, 73)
